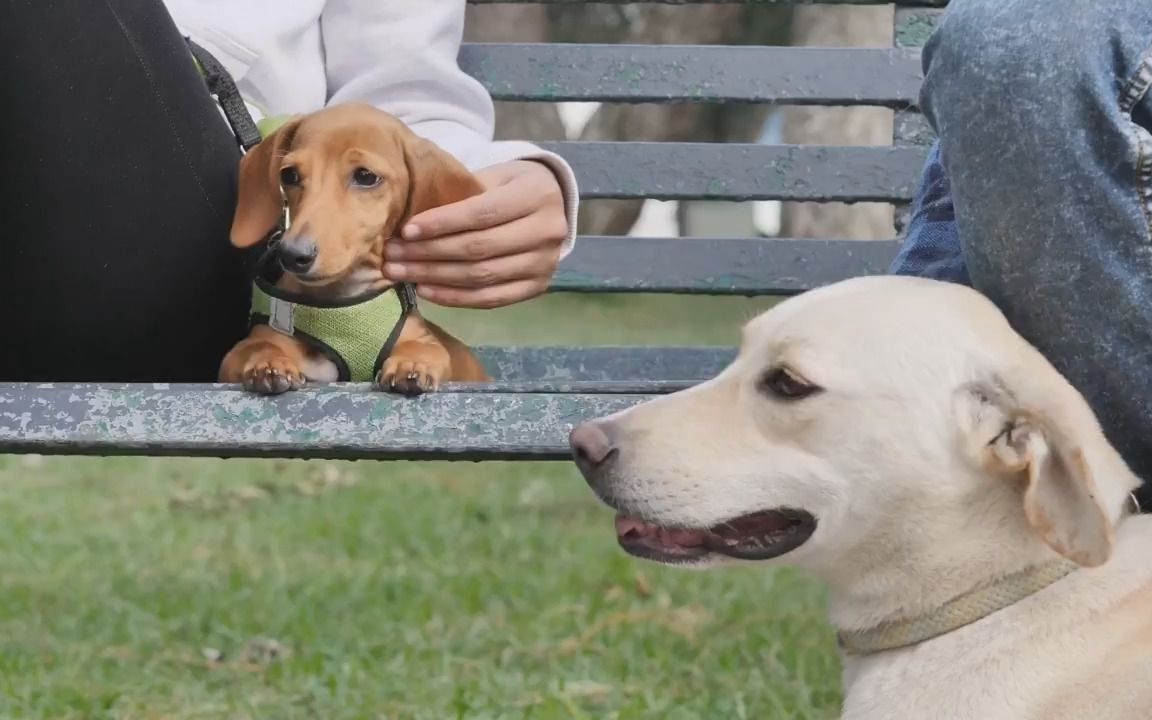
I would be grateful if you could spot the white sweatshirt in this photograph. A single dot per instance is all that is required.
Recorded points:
(296, 56)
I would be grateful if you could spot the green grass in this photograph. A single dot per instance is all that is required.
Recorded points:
(148, 588)
(606, 320)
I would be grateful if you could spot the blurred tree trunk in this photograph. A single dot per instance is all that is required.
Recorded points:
(665, 25)
(839, 26)
(516, 23)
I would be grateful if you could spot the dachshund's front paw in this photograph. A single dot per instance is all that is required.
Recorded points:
(272, 376)
(409, 377)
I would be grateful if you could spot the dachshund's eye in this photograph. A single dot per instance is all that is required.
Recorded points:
(785, 384)
(289, 176)
(365, 178)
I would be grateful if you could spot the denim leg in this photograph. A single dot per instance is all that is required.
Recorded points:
(932, 243)
(1041, 107)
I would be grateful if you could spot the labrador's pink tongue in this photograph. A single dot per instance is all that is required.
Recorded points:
(626, 526)
(683, 538)
(631, 527)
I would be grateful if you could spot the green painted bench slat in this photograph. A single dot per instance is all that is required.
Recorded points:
(327, 423)
(680, 73)
(733, 171)
(717, 266)
(913, 26)
(911, 128)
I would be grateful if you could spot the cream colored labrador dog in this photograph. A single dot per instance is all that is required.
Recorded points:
(898, 439)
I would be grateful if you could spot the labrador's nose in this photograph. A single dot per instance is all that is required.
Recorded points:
(297, 254)
(593, 447)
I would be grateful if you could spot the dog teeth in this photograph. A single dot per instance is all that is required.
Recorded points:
(760, 541)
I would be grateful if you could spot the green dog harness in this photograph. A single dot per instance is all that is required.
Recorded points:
(358, 337)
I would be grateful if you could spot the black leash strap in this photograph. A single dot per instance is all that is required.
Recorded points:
(407, 294)
(221, 85)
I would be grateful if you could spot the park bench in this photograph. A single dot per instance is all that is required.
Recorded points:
(540, 392)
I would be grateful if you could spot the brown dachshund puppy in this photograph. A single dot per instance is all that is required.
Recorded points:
(348, 177)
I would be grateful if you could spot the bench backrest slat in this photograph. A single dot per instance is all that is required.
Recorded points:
(729, 171)
(683, 73)
(717, 266)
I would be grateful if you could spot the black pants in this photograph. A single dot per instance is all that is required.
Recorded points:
(119, 186)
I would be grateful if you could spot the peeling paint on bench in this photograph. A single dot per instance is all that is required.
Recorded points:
(338, 422)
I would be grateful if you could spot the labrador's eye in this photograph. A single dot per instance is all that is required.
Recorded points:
(365, 177)
(787, 385)
(289, 176)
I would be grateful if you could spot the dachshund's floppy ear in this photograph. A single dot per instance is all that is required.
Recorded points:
(435, 177)
(259, 203)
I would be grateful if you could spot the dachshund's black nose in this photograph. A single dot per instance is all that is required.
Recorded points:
(297, 254)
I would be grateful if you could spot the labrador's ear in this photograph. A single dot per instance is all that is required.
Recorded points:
(435, 177)
(258, 204)
(1059, 453)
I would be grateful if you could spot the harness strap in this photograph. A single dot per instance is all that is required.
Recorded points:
(221, 85)
(357, 339)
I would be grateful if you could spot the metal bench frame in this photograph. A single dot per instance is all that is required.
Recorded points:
(541, 392)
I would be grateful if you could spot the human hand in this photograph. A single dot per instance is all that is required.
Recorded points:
(491, 250)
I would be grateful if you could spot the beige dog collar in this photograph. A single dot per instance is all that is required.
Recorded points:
(957, 612)
(965, 609)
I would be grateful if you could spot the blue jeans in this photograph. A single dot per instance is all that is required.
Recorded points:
(1039, 191)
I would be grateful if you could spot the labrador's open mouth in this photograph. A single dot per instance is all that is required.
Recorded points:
(758, 536)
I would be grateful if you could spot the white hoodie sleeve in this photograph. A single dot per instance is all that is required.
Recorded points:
(400, 55)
